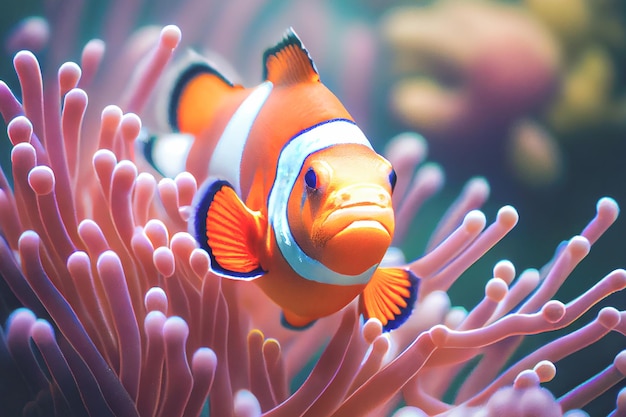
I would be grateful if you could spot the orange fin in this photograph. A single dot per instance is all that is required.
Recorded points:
(289, 62)
(227, 230)
(197, 93)
(389, 296)
(292, 321)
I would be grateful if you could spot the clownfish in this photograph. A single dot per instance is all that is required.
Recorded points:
(293, 197)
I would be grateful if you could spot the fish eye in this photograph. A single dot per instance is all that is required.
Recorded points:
(393, 178)
(310, 179)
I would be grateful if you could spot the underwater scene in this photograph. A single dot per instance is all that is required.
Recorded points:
(313, 208)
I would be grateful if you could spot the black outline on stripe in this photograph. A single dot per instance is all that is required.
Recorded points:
(267, 202)
(292, 138)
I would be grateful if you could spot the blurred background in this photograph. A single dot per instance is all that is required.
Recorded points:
(530, 94)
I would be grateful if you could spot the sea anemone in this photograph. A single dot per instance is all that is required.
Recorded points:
(112, 309)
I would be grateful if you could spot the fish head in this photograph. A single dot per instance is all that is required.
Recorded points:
(340, 210)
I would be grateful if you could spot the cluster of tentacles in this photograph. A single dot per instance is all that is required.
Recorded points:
(115, 311)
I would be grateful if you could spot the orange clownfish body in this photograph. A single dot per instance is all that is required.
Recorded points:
(294, 198)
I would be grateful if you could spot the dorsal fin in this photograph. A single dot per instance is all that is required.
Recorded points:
(196, 94)
(289, 62)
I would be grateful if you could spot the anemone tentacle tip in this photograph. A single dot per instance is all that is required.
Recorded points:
(104, 155)
(474, 221)
(526, 379)
(372, 329)
(496, 289)
(545, 370)
(479, 185)
(77, 95)
(620, 362)
(171, 36)
(505, 270)
(609, 317)
(608, 206)
(108, 261)
(508, 216)
(24, 56)
(23, 150)
(175, 327)
(29, 236)
(163, 259)
(553, 311)
(20, 122)
(41, 180)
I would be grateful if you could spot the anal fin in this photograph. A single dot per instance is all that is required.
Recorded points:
(227, 230)
(389, 296)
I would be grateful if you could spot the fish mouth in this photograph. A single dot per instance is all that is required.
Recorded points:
(367, 216)
(372, 224)
(353, 239)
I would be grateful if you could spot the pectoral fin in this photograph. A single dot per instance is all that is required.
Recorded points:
(389, 296)
(227, 230)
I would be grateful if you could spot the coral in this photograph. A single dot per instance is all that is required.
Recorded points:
(508, 81)
(591, 35)
(463, 84)
(469, 73)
